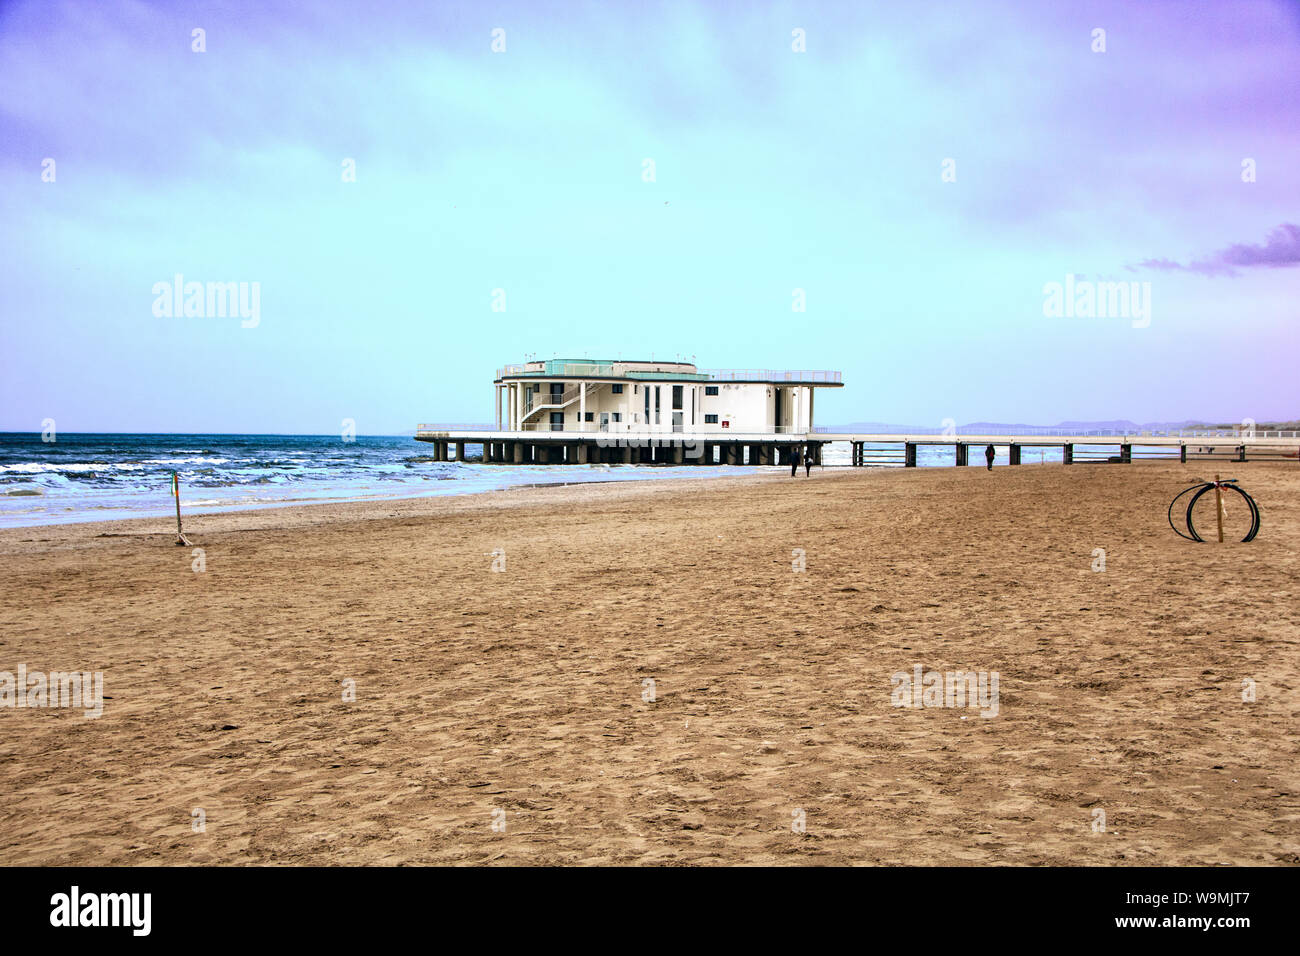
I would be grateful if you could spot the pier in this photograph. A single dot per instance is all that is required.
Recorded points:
(714, 447)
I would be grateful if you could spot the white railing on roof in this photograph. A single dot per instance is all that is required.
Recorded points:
(772, 375)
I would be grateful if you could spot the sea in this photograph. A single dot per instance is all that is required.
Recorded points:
(85, 477)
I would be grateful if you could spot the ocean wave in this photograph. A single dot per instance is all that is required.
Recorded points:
(186, 461)
(39, 467)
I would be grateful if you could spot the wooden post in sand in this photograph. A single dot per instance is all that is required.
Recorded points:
(181, 540)
(1218, 505)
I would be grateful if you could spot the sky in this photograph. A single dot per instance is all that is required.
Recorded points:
(645, 180)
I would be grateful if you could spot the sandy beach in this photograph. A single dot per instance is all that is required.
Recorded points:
(525, 690)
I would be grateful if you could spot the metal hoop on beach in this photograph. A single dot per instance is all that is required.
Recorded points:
(1226, 484)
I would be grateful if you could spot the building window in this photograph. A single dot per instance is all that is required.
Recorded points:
(711, 390)
(710, 419)
(618, 416)
(677, 398)
(557, 421)
(591, 417)
(618, 389)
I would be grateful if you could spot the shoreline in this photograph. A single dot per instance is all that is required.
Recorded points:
(317, 513)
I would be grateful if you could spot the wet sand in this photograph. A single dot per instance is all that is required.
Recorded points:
(524, 690)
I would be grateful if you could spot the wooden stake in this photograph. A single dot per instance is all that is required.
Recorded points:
(181, 540)
(1218, 505)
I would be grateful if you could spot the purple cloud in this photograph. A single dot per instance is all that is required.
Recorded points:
(1280, 249)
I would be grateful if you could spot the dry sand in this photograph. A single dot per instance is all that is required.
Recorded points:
(522, 691)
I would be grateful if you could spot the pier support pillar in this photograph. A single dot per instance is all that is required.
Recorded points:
(582, 453)
(627, 454)
(1067, 453)
(963, 454)
(679, 453)
(1013, 452)
(1126, 454)
(518, 454)
(460, 451)
(909, 454)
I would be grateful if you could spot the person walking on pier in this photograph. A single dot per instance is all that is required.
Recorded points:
(989, 454)
(808, 462)
(794, 461)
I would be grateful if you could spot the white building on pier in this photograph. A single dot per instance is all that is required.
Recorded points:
(586, 395)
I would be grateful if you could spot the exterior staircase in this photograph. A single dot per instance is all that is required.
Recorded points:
(535, 402)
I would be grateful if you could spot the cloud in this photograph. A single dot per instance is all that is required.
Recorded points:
(1280, 249)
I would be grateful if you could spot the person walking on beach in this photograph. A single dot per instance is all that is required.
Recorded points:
(989, 454)
(807, 463)
(794, 461)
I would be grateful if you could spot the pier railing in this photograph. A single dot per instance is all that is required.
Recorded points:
(1027, 430)
(456, 427)
(636, 430)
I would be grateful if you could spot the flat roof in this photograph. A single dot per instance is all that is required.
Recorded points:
(563, 370)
